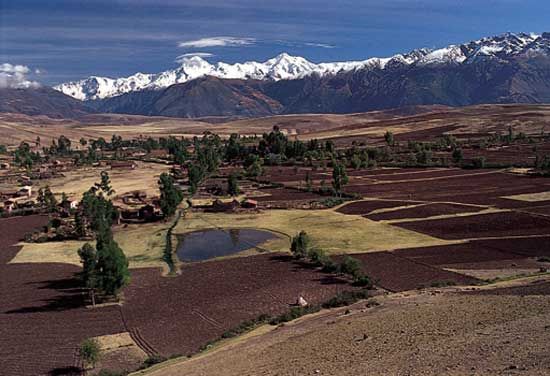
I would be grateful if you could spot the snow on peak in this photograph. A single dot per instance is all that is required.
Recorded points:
(286, 67)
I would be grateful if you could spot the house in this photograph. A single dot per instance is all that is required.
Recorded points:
(4, 166)
(123, 165)
(249, 204)
(25, 191)
(134, 197)
(9, 206)
(218, 206)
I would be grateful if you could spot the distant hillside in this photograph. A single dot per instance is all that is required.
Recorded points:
(206, 96)
(42, 101)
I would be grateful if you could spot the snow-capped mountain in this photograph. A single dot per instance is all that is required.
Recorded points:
(286, 67)
(281, 67)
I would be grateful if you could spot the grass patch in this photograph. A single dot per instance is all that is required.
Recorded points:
(335, 232)
(143, 244)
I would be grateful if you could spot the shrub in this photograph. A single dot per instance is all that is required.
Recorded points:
(152, 360)
(363, 281)
(300, 245)
(318, 256)
(294, 313)
(346, 298)
(331, 201)
(90, 352)
(350, 266)
(442, 283)
(478, 162)
(330, 266)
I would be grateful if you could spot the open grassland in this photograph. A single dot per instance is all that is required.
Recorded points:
(144, 178)
(330, 230)
(143, 245)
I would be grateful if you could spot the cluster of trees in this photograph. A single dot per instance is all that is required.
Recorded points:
(46, 199)
(104, 267)
(302, 248)
(25, 157)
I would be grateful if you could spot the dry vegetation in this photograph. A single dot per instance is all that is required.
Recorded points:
(75, 182)
(417, 123)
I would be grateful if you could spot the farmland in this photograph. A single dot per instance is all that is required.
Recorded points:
(433, 236)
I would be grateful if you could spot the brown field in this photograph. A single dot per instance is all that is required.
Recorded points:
(423, 211)
(365, 207)
(500, 224)
(420, 123)
(395, 273)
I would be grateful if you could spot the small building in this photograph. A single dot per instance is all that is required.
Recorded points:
(4, 166)
(123, 165)
(249, 204)
(218, 206)
(9, 206)
(25, 191)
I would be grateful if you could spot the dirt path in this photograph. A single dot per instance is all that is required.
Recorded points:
(455, 331)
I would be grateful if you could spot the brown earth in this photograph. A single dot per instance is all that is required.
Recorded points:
(444, 332)
(426, 123)
(423, 211)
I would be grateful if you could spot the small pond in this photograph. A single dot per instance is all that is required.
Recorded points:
(207, 244)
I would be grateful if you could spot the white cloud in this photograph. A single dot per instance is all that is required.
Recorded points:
(15, 76)
(10, 68)
(199, 54)
(217, 42)
(322, 45)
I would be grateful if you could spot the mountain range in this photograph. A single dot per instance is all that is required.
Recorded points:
(508, 68)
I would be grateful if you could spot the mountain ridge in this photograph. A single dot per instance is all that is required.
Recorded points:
(287, 67)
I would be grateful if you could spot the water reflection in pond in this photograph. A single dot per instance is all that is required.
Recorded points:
(207, 244)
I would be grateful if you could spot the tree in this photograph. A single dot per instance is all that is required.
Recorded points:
(339, 177)
(356, 161)
(79, 224)
(90, 352)
(255, 169)
(112, 265)
(195, 174)
(170, 196)
(457, 155)
(233, 185)
(309, 182)
(88, 258)
(388, 137)
(105, 184)
(300, 245)
(97, 212)
(46, 199)
(478, 162)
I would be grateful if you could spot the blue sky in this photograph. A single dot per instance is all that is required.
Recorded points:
(71, 39)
